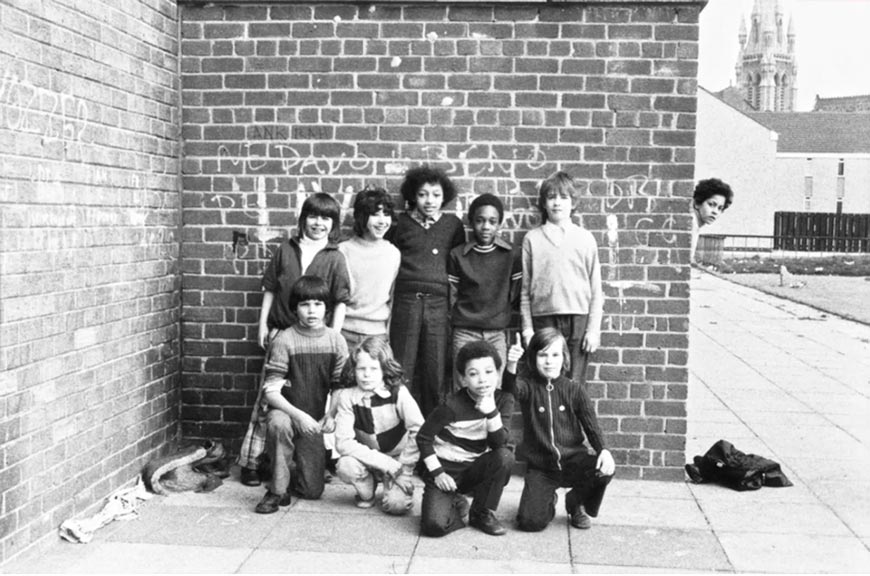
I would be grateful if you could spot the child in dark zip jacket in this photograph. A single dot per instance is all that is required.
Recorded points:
(557, 416)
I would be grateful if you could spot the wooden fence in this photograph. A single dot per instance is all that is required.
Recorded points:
(821, 232)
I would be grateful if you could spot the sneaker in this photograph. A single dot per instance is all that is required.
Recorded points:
(460, 502)
(362, 502)
(486, 521)
(270, 502)
(580, 519)
(250, 477)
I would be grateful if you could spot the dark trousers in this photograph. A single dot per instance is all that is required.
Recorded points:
(485, 479)
(538, 502)
(573, 328)
(419, 337)
(289, 452)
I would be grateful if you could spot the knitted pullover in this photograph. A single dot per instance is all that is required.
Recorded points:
(561, 274)
(377, 427)
(304, 364)
(424, 252)
(372, 266)
(458, 432)
(557, 417)
(487, 281)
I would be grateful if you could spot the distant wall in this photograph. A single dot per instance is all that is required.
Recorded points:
(282, 100)
(793, 169)
(89, 275)
(733, 147)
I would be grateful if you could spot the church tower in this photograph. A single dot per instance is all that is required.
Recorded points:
(766, 67)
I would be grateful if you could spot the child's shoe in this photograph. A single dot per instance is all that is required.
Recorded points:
(250, 477)
(362, 502)
(580, 519)
(270, 502)
(485, 520)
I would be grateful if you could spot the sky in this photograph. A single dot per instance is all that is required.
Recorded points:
(832, 45)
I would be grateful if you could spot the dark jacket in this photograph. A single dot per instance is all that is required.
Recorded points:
(724, 464)
(557, 417)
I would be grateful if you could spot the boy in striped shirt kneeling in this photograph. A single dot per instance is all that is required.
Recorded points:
(464, 445)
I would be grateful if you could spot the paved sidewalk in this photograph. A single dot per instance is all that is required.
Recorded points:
(775, 378)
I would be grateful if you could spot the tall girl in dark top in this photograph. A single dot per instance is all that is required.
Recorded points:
(419, 330)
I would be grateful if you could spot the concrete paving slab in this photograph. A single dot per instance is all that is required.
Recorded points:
(618, 489)
(648, 547)
(795, 553)
(58, 558)
(849, 501)
(789, 441)
(129, 558)
(773, 517)
(285, 561)
(854, 424)
(549, 545)
(791, 419)
(832, 402)
(813, 470)
(733, 431)
(197, 526)
(369, 533)
(600, 569)
(632, 511)
(450, 565)
(713, 493)
(761, 401)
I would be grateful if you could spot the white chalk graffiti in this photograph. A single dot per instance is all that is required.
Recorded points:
(52, 115)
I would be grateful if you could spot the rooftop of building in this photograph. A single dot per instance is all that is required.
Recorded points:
(859, 103)
(818, 132)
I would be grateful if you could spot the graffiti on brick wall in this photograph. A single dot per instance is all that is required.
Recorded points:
(632, 195)
(51, 114)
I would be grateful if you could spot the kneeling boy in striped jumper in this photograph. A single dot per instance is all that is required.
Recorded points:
(464, 446)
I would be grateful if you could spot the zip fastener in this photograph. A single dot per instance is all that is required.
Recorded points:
(552, 430)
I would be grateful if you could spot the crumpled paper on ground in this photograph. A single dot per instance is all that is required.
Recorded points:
(121, 506)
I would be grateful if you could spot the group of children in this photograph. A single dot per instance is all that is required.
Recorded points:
(358, 338)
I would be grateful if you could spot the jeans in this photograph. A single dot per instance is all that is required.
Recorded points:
(288, 450)
(486, 478)
(419, 336)
(538, 502)
(394, 500)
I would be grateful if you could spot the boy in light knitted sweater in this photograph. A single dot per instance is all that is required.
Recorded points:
(373, 264)
(562, 276)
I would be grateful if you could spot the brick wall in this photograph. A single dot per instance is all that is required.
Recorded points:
(89, 293)
(281, 100)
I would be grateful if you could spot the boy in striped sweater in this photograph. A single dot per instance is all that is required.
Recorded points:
(303, 364)
(464, 446)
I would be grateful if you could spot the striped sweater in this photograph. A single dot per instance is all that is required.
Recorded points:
(378, 427)
(458, 432)
(304, 364)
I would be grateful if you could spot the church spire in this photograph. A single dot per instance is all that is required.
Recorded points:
(765, 66)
